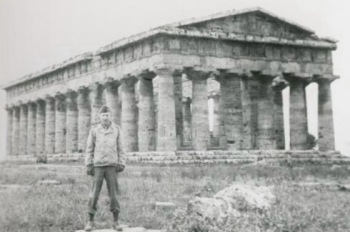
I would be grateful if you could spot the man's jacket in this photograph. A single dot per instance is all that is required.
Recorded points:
(104, 146)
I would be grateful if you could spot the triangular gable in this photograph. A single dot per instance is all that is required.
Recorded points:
(255, 21)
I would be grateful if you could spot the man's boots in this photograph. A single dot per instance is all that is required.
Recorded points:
(90, 225)
(116, 224)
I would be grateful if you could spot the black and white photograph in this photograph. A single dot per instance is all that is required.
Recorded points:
(174, 116)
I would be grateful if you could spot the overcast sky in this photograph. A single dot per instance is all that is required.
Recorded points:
(38, 33)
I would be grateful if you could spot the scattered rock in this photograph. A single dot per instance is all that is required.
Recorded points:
(344, 187)
(49, 182)
(335, 167)
(222, 210)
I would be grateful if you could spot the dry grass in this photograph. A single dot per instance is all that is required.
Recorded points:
(63, 207)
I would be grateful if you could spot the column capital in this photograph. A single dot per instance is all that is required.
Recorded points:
(279, 83)
(303, 78)
(221, 74)
(71, 93)
(110, 84)
(96, 86)
(146, 74)
(199, 72)
(324, 78)
(129, 80)
(166, 70)
(59, 95)
(83, 89)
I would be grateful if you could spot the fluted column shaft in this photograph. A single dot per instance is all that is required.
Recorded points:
(187, 116)
(166, 118)
(84, 118)
(15, 130)
(50, 125)
(112, 100)
(266, 136)
(60, 127)
(71, 122)
(9, 132)
(216, 119)
(129, 114)
(200, 124)
(96, 95)
(250, 96)
(178, 107)
(31, 133)
(298, 115)
(326, 139)
(23, 127)
(40, 128)
(146, 120)
(230, 85)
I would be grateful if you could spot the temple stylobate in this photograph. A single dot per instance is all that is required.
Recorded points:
(158, 84)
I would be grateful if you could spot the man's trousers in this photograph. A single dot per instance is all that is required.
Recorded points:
(108, 173)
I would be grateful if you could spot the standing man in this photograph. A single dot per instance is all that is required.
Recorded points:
(104, 159)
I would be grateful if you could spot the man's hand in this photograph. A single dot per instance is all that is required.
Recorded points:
(120, 167)
(90, 170)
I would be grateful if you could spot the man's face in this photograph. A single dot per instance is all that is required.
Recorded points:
(105, 118)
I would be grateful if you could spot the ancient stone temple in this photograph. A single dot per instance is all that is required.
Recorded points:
(158, 84)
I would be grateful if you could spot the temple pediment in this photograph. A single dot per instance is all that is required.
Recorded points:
(254, 21)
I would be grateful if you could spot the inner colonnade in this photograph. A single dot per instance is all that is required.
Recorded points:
(167, 109)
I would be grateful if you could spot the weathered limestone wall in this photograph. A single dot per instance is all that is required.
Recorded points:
(129, 114)
(325, 117)
(9, 132)
(72, 122)
(166, 116)
(187, 116)
(231, 110)
(266, 135)
(298, 116)
(60, 123)
(250, 96)
(84, 117)
(23, 126)
(199, 123)
(40, 127)
(31, 142)
(50, 125)
(112, 100)
(15, 131)
(146, 120)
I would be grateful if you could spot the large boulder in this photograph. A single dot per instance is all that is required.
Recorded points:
(220, 212)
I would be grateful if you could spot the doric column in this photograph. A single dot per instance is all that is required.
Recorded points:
(9, 131)
(112, 100)
(72, 122)
(278, 84)
(84, 117)
(200, 124)
(216, 119)
(231, 109)
(60, 127)
(266, 135)
(298, 113)
(178, 107)
(40, 127)
(325, 115)
(250, 96)
(166, 118)
(15, 130)
(96, 94)
(187, 115)
(31, 133)
(23, 127)
(49, 125)
(129, 114)
(146, 121)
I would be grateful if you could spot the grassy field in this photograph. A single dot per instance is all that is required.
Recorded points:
(63, 207)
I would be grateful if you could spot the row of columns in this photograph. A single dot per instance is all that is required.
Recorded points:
(250, 114)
